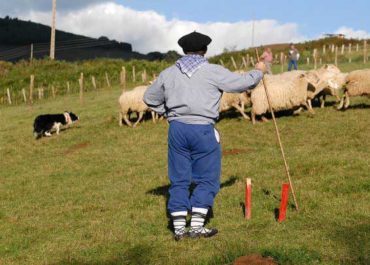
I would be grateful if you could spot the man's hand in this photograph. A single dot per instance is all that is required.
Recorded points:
(261, 66)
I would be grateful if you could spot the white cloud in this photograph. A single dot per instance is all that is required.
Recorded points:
(351, 33)
(149, 31)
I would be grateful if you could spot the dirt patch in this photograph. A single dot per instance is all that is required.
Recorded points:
(255, 260)
(229, 152)
(76, 147)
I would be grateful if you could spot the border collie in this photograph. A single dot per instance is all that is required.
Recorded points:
(44, 124)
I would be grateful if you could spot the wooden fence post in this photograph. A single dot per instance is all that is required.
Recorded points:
(93, 81)
(144, 76)
(39, 93)
(123, 78)
(234, 63)
(32, 83)
(336, 56)
(315, 58)
(342, 50)
(133, 74)
(107, 79)
(282, 61)
(248, 60)
(320, 61)
(81, 82)
(324, 49)
(53, 91)
(365, 51)
(222, 63)
(68, 87)
(357, 47)
(308, 60)
(244, 64)
(9, 97)
(24, 95)
(31, 55)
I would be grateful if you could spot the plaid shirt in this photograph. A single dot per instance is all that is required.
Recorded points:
(189, 64)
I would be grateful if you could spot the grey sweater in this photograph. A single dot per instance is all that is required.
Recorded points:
(196, 100)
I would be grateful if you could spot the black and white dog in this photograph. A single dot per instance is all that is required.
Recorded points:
(44, 124)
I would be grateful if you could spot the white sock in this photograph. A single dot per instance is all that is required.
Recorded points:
(179, 221)
(198, 217)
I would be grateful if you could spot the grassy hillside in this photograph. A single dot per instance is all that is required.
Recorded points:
(97, 193)
(57, 73)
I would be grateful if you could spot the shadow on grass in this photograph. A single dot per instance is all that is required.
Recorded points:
(163, 191)
(276, 211)
(358, 106)
(232, 114)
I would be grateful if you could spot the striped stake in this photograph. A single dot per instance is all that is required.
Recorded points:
(248, 199)
(283, 202)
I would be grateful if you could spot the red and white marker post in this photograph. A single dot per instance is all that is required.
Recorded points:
(248, 199)
(284, 202)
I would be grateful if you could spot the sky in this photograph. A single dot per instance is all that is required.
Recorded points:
(156, 25)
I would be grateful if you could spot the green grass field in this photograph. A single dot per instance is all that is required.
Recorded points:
(96, 194)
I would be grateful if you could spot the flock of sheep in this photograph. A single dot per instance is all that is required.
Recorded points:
(288, 91)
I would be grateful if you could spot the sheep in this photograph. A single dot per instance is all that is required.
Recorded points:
(330, 81)
(132, 101)
(322, 82)
(285, 93)
(357, 83)
(237, 101)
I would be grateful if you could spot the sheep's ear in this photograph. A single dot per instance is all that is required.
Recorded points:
(326, 66)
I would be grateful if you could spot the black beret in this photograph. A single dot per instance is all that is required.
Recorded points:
(194, 42)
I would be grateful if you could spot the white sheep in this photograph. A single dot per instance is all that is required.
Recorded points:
(285, 92)
(132, 101)
(322, 82)
(235, 100)
(357, 83)
(330, 81)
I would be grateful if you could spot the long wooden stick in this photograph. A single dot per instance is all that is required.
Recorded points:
(279, 139)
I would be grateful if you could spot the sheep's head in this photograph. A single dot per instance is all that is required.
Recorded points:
(330, 68)
(338, 81)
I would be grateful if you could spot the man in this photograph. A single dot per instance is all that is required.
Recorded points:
(188, 94)
(293, 58)
(267, 58)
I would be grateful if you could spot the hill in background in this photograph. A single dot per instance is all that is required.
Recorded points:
(16, 37)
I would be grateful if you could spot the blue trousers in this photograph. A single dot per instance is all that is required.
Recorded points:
(194, 156)
(292, 63)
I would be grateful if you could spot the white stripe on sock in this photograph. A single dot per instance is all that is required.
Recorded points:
(200, 210)
(183, 213)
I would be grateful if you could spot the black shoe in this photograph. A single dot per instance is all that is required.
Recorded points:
(196, 232)
(180, 234)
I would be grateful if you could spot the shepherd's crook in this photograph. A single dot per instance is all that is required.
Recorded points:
(278, 137)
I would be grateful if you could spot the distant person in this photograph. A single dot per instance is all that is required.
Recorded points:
(293, 58)
(267, 58)
(188, 93)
